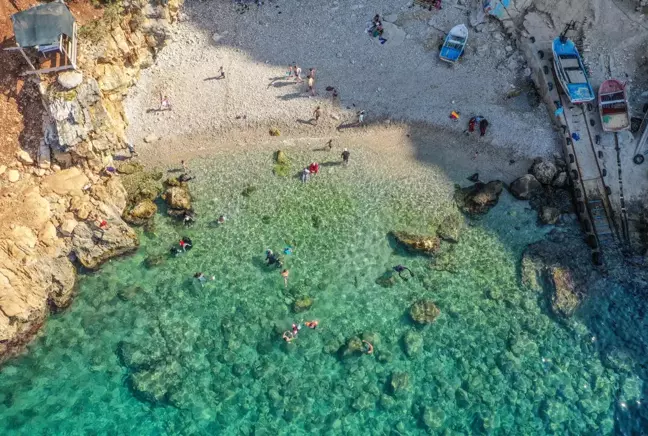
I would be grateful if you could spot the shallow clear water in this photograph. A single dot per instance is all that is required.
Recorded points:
(150, 351)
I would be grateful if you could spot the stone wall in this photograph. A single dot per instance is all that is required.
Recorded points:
(52, 207)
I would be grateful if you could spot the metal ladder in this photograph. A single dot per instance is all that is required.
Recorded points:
(601, 224)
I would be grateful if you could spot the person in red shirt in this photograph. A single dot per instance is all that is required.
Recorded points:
(314, 168)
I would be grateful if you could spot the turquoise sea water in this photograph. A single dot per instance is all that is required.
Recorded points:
(149, 351)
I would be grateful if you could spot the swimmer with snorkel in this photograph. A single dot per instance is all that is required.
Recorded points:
(400, 269)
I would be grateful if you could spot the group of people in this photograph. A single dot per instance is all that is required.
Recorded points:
(477, 121)
(295, 71)
(291, 335)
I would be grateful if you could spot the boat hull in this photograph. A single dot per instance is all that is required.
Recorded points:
(570, 72)
(613, 106)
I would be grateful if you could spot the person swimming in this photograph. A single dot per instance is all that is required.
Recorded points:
(288, 336)
(295, 329)
(185, 243)
(201, 278)
(284, 274)
(400, 269)
(288, 250)
(222, 219)
(311, 324)
(273, 259)
(368, 348)
(188, 218)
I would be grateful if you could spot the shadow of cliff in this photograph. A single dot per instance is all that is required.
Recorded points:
(21, 107)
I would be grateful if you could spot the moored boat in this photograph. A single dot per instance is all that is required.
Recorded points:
(570, 71)
(454, 44)
(613, 106)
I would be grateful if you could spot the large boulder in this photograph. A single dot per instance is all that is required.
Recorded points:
(65, 182)
(525, 187)
(417, 243)
(93, 246)
(62, 284)
(178, 197)
(561, 180)
(70, 79)
(544, 170)
(140, 213)
(479, 198)
(424, 312)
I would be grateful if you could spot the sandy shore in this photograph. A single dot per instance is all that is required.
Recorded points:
(402, 83)
(403, 149)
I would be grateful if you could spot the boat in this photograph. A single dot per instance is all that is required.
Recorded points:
(454, 44)
(571, 71)
(613, 106)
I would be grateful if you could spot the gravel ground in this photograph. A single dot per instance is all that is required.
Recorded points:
(402, 80)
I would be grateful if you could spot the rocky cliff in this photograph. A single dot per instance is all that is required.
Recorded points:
(59, 208)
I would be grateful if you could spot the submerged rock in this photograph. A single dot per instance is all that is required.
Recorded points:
(302, 304)
(353, 347)
(549, 215)
(559, 267)
(424, 312)
(525, 187)
(399, 384)
(413, 343)
(565, 300)
(282, 164)
(416, 243)
(155, 385)
(479, 198)
(451, 227)
(387, 279)
(433, 417)
(154, 260)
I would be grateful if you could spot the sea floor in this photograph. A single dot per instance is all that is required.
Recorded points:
(146, 349)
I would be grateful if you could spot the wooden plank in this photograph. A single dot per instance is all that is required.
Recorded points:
(49, 70)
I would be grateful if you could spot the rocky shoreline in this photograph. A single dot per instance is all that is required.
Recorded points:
(63, 206)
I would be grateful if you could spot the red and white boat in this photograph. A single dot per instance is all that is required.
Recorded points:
(613, 106)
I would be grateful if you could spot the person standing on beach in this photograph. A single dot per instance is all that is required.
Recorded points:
(298, 71)
(131, 149)
(329, 144)
(164, 103)
(185, 169)
(317, 113)
(345, 156)
(361, 116)
(222, 72)
(311, 85)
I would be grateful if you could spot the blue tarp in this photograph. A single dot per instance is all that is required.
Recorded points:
(43, 24)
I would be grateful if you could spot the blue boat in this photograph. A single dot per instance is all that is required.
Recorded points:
(454, 44)
(571, 71)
